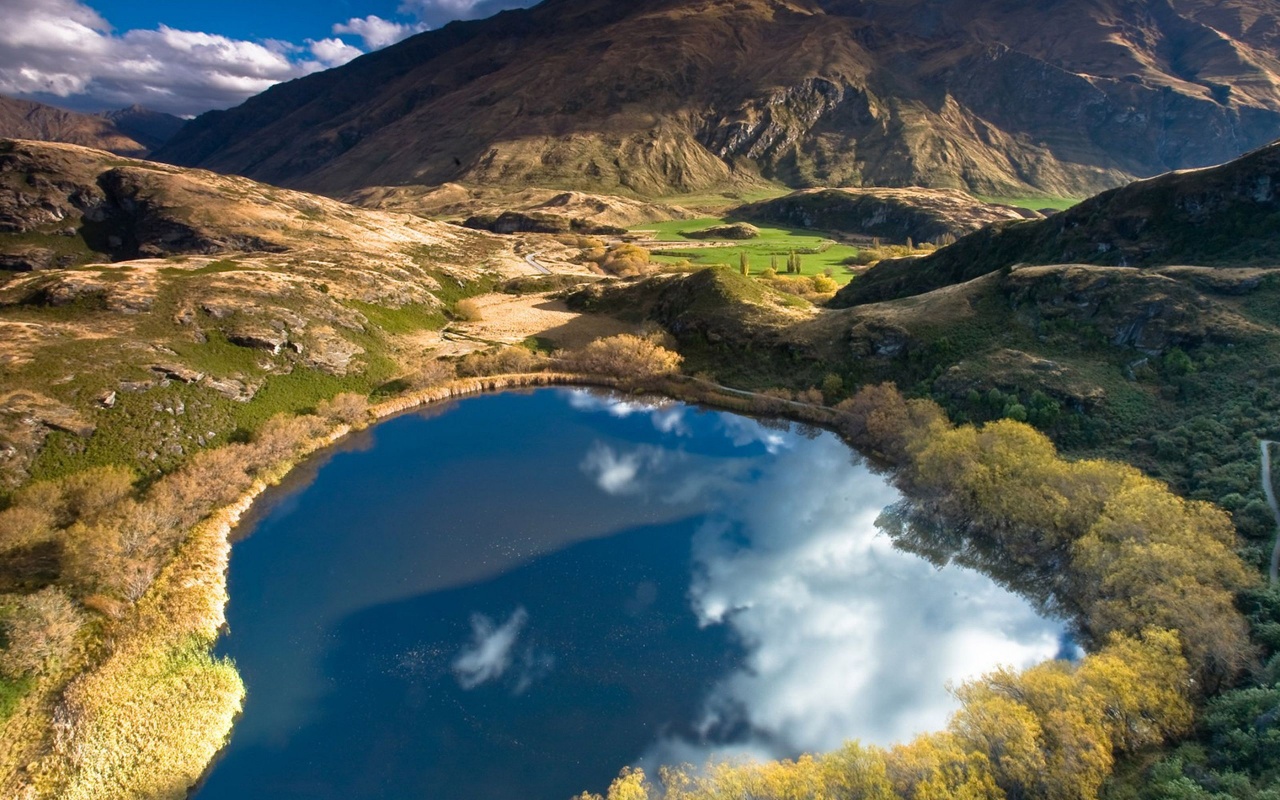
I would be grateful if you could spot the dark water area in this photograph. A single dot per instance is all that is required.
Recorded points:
(517, 595)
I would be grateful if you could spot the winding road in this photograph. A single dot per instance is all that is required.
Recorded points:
(532, 260)
(1270, 490)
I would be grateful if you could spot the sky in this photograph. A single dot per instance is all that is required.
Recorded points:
(186, 58)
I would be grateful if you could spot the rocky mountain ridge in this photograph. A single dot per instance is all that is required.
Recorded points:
(665, 96)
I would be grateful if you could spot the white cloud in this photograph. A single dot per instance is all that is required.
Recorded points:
(489, 654)
(846, 636)
(333, 52)
(64, 49)
(377, 32)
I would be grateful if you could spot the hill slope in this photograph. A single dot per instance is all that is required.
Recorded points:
(922, 215)
(1221, 216)
(658, 96)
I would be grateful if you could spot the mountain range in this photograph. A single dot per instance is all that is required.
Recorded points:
(653, 97)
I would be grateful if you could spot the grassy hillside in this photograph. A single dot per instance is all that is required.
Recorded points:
(1223, 216)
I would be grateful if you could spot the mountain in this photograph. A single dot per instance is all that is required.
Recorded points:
(152, 129)
(1221, 216)
(133, 131)
(24, 119)
(1062, 97)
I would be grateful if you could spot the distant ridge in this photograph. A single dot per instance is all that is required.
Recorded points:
(134, 131)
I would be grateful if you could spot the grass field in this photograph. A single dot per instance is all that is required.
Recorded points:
(1033, 203)
(772, 242)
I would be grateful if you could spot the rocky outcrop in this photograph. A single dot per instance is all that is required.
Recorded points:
(73, 208)
(508, 222)
(738, 231)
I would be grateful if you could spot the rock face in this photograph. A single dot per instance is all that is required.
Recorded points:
(1224, 216)
(69, 206)
(922, 215)
(1066, 97)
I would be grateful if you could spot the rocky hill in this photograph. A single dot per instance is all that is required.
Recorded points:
(661, 96)
(1221, 216)
(23, 119)
(200, 303)
(921, 215)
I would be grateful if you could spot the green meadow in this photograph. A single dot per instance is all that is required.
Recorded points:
(817, 253)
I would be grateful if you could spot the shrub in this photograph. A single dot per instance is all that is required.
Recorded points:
(624, 356)
(347, 408)
(433, 373)
(468, 310)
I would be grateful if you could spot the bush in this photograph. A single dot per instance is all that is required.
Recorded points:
(624, 260)
(624, 356)
(433, 373)
(503, 361)
(41, 633)
(468, 310)
(347, 408)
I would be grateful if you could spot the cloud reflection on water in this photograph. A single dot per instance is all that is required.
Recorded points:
(848, 636)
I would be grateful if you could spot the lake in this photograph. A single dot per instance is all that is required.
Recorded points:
(516, 595)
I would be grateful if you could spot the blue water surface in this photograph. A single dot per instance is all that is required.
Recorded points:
(516, 595)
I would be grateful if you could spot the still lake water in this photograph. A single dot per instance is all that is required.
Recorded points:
(515, 595)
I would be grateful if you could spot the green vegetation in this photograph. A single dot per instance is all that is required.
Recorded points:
(11, 693)
(817, 254)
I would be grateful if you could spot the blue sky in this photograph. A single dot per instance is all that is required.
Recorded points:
(253, 20)
(186, 58)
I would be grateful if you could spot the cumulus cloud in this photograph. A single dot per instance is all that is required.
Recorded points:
(847, 636)
(333, 52)
(377, 32)
(489, 654)
(64, 49)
